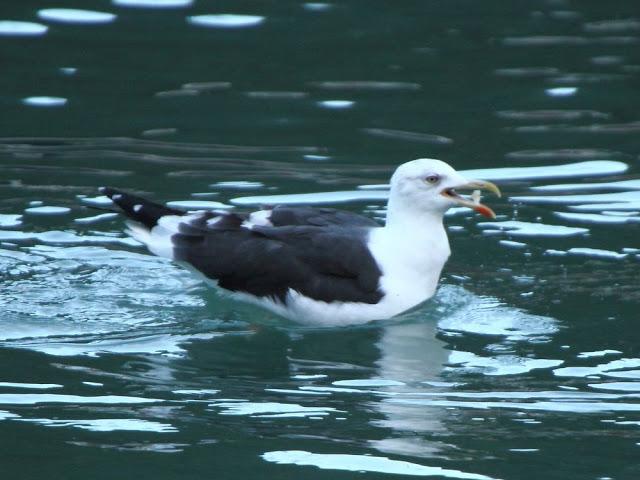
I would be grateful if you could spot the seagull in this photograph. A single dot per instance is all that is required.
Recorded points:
(318, 266)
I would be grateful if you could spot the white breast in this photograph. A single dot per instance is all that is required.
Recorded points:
(411, 265)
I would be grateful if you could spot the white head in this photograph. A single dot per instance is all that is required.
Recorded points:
(428, 187)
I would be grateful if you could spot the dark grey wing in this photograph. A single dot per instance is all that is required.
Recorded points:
(282, 216)
(327, 261)
(320, 263)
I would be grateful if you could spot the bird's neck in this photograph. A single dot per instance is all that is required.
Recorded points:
(418, 238)
(411, 251)
(404, 219)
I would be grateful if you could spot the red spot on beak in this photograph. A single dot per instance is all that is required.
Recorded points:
(484, 211)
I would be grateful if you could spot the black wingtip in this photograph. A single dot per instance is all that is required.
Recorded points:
(109, 191)
(137, 208)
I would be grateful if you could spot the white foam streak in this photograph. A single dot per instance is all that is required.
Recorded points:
(56, 237)
(309, 377)
(629, 206)
(624, 374)
(30, 386)
(45, 101)
(512, 244)
(599, 353)
(369, 382)
(597, 253)
(153, 3)
(238, 185)
(577, 406)
(597, 218)
(38, 398)
(621, 185)
(317, 6)
(269, 409)
(73, 15)
(561, 91)
(5, 415)
(561, 395)
(499, 365)
(164, 344)
(336, 104)
(617, 386)
(579, 169)
(197, 205)
(106, 424)
(100, 201)
(21, 29)
(336, 389)
(204, 391)
(528, 229)
(289, 391)
(630, 196)
(47, 210)
(10, 220)
(226, 20)
(96, 218)
(598, 369)
(364, 463)
(313, 198)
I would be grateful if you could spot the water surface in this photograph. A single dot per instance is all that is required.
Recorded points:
(115, 362)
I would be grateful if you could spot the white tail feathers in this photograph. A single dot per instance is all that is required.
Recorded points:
(157, 240)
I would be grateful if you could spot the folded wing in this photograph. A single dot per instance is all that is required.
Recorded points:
(320, 253)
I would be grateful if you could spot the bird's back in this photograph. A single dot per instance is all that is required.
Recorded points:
(321, 254)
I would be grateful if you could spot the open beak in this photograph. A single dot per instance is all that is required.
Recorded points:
(473, 203)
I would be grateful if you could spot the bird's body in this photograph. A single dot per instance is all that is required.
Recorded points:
(315, 265)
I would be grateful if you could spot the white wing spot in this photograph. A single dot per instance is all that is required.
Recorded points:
(117, 196)
(137, 208)
(261, 218)
(212, 221)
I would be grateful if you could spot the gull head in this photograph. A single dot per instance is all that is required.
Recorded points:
(432, 186)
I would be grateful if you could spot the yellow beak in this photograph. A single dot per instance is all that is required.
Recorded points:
(474, 204)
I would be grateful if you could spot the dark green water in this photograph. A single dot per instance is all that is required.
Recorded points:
(114, 363)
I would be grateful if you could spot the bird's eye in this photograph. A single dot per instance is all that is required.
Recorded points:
(432, 179)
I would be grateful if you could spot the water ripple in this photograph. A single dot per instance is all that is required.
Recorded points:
(408, 136)
(613, 26)
(366, 85)
(567, 40)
